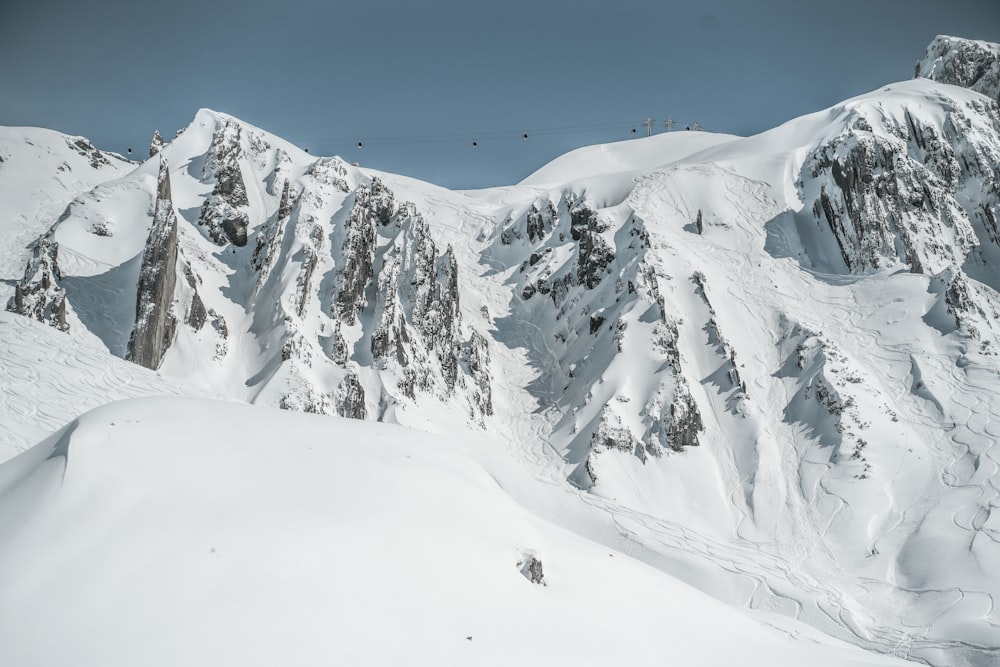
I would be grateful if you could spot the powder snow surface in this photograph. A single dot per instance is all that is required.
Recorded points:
(171, 531)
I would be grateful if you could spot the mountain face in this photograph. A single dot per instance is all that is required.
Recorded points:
(963, 62)
(767, 365)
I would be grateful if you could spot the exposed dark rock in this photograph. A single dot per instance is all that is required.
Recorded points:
(303, 286)
(963, 62)
(86, 149)
(351, 398)
(892, 197)
(154, 321)
(359, 248)
(224, 213)
(684, 423)
(436, 308)
(156, 144)
(391, 336)
(476, 359)
(285, 205)
(382, 202)
(269, 238)
(594, 257)
(296, 347)
(594, 254)
(538, 222)
(610, 433)
(531, 568)
(337, 345)
(102, 228)
(197, 314)
(38, 294)
(958, 299)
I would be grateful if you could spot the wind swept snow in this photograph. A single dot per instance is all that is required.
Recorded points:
(240, 535)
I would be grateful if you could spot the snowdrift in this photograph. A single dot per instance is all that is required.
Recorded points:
(172, 531)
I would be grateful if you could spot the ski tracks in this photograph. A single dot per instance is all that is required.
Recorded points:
(50, 378)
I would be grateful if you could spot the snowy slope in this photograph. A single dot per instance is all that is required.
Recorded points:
(246, 536)
(41, 171)
(764, 365)
(49, 379)
(625, 156)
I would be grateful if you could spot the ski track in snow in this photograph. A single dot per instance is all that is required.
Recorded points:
(50, 378)
(796, 576)
(799, 577)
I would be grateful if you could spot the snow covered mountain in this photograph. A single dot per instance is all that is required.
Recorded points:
(766, 366)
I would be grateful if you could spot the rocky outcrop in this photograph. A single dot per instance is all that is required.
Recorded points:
(539, 222)
(894, 188)
(197, 313)
(38, 294)
(86, 149)
(531, 569)
(595, 253)
(822, 384)
(390, 338)
(154, 319)
(418, 330)
(304, 282)
(269, 238)
(476, 363)
(610, 433)
(683, 422)
(963, 62)
(435, 302)
(727, 377)
(373, 205)
(351, 398)
(156, 144)
(225, 212)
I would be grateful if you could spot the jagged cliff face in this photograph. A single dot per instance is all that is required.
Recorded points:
(366, 270)
(306, 282)
(38, 294)
(224, 213)
(776, 350)
(154, 320)
(583, 274)
(963, 62)
(901, 187)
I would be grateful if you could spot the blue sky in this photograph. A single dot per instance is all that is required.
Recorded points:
(417, 82)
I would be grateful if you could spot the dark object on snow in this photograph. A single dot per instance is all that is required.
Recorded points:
(531, 568)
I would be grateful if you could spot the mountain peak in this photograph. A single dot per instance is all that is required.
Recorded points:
(963, 62)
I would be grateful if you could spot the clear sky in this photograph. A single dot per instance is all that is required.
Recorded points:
(419, 81)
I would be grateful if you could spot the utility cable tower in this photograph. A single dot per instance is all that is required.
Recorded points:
(669, 123)
(649, 123)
